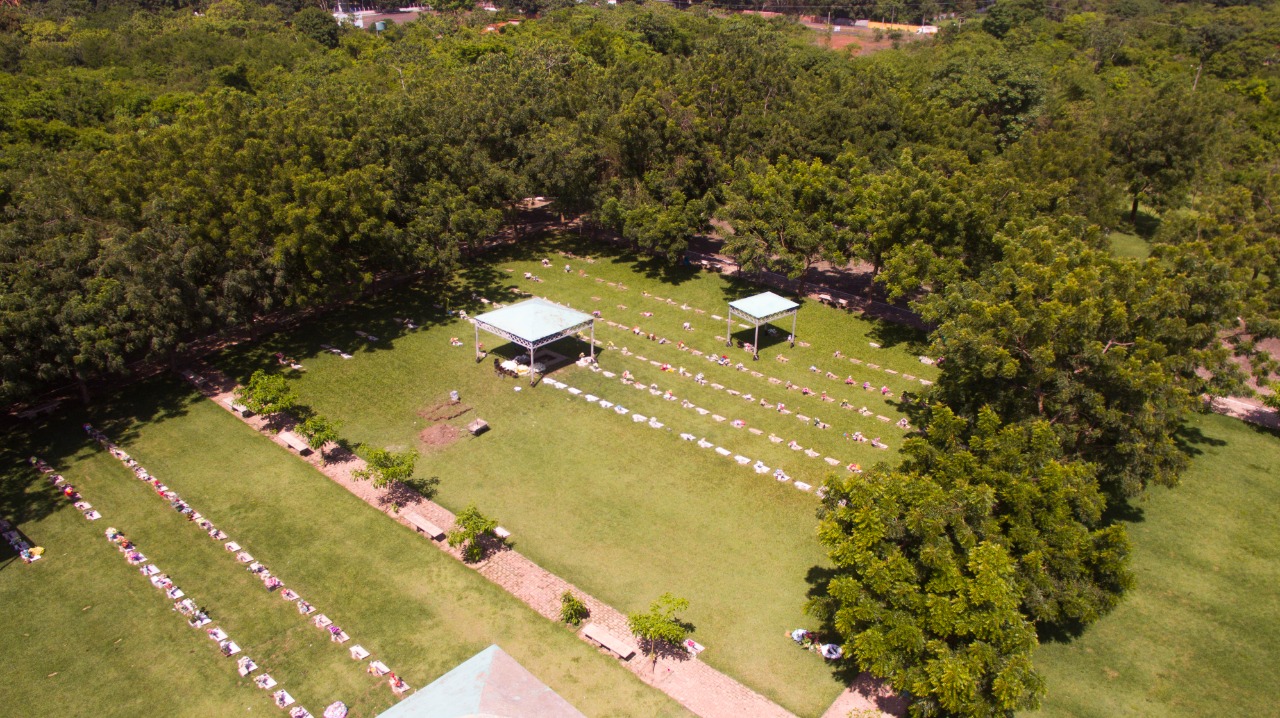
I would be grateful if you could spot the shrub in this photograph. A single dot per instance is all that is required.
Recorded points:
(386, 467)
(572, 609)
(470, 526)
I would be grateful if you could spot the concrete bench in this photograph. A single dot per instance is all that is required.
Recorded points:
(431, 530)
(295, 442)
(621, 647)
(238, 408)
(502, 533)
(46, 408)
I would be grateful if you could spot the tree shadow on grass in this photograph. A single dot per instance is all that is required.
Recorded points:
(889, 335)
(738, 287)
(25, 494)
(768, 339)
(405, 495)
(392, 314)
(1189, 439)
(660, 269)
(846, 670)
(1266, 430)
(1059, 632)
(1147, 224)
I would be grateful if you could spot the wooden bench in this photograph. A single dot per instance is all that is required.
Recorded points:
(431, 530)
(604, 638)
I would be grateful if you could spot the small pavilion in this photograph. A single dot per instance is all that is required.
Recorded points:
(534, 323)
(490, 684)
(760, 309)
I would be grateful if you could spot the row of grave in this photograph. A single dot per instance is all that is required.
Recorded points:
(184, 604)
(28, 553)
(716, 317)
(668, 395)
(270, 581)
(724, 360)
(758, 466)
(747, 396)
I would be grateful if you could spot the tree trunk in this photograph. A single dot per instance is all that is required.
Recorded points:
(1133, 213)
(83, 386)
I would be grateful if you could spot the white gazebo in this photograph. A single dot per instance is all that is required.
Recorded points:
(760, 309)
(534, 323)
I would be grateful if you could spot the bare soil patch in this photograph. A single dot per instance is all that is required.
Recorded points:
(847, 37)
(438, 436)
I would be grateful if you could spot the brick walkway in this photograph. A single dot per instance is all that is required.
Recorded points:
(695, 685)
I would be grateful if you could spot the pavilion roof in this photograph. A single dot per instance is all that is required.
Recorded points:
(490, 683)
(533, 321)
(763, 306)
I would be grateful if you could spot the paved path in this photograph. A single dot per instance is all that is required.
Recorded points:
(695, 685)
(1250, 410)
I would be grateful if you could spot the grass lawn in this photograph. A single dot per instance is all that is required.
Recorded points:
(84, 633)
(1199, 634)
(625, 511)
(1128, 245)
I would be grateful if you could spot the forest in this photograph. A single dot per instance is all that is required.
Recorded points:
(172, 170)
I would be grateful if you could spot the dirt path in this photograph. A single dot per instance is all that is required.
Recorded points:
(695, 685)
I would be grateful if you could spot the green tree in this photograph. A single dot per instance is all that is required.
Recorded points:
(386, 467)
(1070, 567)
(1158, 137)
(572, 609)
(315, 23)
(319, 432)
(787, 215)
(267, 394)
(659, 628)
(470, 529)
(936, 219)
(921, 600)
(1105, 350)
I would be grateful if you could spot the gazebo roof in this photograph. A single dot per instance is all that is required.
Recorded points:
(764, 306)
(533, 320)
(490, 683)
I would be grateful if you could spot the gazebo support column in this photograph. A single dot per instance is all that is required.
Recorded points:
(477, 326)
(728, 330)
(535, 323)
(764, 308)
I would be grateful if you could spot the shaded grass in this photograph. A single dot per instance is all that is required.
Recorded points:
(1129, 245)
(1198, 635)
(622, 510)
(129, 654)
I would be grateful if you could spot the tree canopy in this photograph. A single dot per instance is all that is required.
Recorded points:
(172, 170)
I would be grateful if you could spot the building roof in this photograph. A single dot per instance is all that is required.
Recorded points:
(490, 684)
(533, 321)
(764, 306)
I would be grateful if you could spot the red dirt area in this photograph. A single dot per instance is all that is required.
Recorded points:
(855, 40)
(438, 436)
